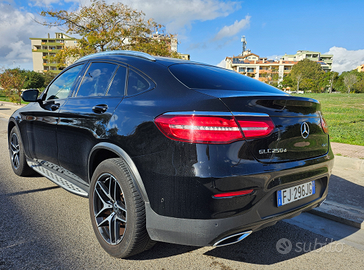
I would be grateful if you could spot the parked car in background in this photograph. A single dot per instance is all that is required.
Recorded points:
(173, 151)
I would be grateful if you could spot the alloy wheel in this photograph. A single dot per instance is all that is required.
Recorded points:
(15, 150)
(110, 209)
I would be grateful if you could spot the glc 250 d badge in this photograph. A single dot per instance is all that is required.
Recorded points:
(272, 151)
(305, 130)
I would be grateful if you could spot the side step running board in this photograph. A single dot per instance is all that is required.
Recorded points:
(57, 177)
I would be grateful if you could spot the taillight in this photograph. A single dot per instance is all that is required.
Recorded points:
(324, 125)
(212, 129)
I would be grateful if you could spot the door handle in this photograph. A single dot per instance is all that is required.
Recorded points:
(101, 108)
(55, 106)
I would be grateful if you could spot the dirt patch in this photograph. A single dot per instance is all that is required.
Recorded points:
(348, 150)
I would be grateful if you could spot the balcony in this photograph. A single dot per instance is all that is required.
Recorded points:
(50, 64)
(265, 71)
(40, 50)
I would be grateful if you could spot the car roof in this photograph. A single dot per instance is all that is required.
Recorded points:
(167, 61)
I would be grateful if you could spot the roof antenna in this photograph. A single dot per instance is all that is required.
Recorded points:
(243, 40)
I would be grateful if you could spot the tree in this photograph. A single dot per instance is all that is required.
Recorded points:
(349, 81)
(298, 78)
(287, 81)
(312, 75)
(274, 76)
(332, 76)
(48, 77)
(32, 79)
(12, 81)
(104, 27)
(357, 87)
(360, 86)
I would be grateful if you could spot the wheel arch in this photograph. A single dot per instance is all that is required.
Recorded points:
(14, 123)
(105, 150)
(11, 124)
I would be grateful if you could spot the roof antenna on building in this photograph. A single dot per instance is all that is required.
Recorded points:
(243, 40)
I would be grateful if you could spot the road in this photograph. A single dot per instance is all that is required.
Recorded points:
(43, 226)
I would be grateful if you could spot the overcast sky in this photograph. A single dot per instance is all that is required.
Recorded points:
(210, 30)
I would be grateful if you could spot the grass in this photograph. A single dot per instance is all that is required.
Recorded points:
(3, 97)
(344, 113)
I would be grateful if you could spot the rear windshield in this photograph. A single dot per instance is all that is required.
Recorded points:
(210, 77)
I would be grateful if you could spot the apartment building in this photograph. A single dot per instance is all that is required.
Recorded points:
(260, 68)
(44, 49)
(172, 43)
(269, 71)
(324, 59)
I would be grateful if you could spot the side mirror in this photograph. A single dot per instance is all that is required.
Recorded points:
(30, 95)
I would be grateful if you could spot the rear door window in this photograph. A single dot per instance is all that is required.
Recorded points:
(117, 87)
(97, 80)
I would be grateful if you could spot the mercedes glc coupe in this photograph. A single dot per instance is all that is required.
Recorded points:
(172, 150)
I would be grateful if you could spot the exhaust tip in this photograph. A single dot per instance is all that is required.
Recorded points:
(232, 239)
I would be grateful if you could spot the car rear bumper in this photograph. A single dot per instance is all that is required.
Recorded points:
(215, 232)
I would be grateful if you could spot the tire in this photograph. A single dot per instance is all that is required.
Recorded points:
(117, 210)
(17, 155)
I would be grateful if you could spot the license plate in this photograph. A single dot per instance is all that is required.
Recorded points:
(292, 194)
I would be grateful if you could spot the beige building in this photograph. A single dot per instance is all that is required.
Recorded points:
(360, 68)
(173, 45)
(272, 71)
(44, 49)
(260, 68)
(324, 59)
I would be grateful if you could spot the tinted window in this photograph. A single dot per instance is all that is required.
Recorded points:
(136, 83)
(96, 80)
(118, 84)
(62, 86)
(209, 77)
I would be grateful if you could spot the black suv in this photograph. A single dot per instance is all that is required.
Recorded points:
(171, 150)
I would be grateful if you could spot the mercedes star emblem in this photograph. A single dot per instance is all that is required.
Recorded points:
(305, 130)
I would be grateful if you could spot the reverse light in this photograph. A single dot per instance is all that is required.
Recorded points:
(212, 129)
(233, 194)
